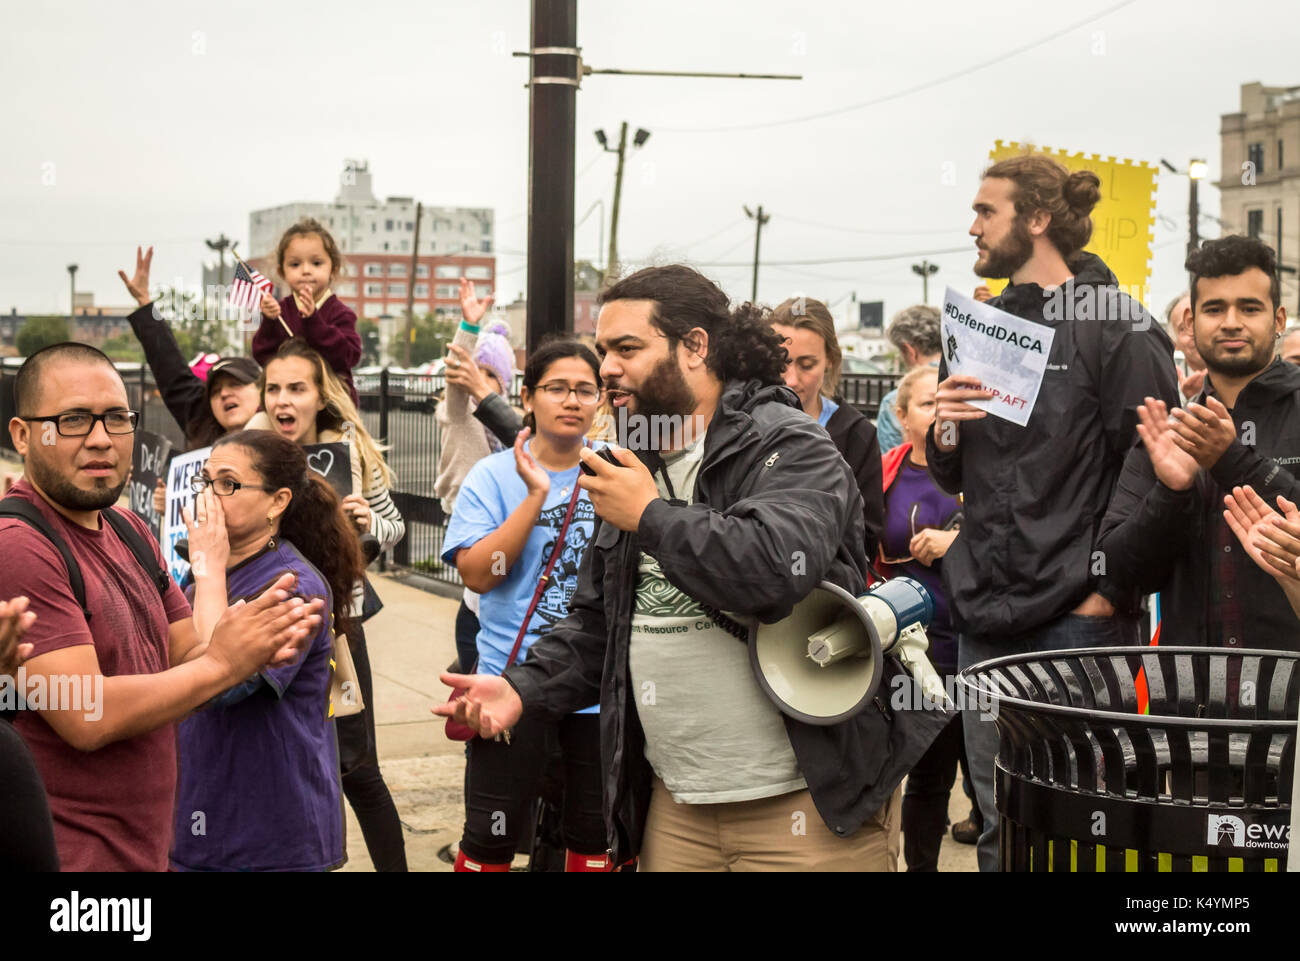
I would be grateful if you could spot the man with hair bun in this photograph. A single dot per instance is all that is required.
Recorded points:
(743, 508)
(1025, 574)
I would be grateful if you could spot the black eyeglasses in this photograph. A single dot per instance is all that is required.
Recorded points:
(222, 486)
(586, 393)
(81, 422)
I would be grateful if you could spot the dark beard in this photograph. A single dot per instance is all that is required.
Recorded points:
(1010, 255)
(65, 494)
(665, 391)
(1237, 366)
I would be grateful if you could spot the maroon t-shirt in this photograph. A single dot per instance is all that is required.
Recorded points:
(112, 808)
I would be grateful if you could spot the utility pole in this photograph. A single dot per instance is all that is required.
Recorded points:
(555, 75)
(410, 287)
(925, 269)
(220, 245)
(553, 93)
(1196, 172)
(760, 219)
(642, 135)
(72, 300)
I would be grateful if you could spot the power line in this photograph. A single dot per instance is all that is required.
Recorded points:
(840, 260)
(983, 64)
(786, 218)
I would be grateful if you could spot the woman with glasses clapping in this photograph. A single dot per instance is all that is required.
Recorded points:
(520, 528)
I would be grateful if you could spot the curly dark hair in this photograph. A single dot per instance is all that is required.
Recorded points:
(314, 521)
(1232, 255)
(741, 344)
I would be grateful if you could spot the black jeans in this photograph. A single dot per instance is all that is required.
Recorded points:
(363, 784)
(26, 830)
(925, 798)
(502, 780)
(466, 638)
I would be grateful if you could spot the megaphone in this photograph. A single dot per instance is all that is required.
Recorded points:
(823, 664)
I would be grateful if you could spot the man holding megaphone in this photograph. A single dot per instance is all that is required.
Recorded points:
(723, 496)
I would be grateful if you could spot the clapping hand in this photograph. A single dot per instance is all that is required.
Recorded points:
(15, 618)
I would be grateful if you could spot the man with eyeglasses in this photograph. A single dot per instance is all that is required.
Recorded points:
(132, 663)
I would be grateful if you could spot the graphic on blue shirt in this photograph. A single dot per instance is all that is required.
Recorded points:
(492, 490)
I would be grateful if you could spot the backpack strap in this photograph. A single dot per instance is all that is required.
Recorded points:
(30, 514)
(143, 552)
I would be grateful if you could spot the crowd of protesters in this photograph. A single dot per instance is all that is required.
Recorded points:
(606, 570)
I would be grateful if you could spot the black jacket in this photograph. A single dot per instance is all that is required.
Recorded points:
(1157, 539)
(185, 395)
(1035, 496)
(855, 436)
(775, 512)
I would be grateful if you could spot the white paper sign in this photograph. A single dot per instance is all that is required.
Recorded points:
(1007, 353)
(183, 467)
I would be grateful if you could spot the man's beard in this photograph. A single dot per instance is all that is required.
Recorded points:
(665, 391)
(1237, 366)
(1009, 256)
(64, 493)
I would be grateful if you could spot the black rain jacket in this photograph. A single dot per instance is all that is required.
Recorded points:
(1158, 539)
(1034, 496)
(775, 511)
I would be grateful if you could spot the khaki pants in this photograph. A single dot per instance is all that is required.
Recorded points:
(783, 833)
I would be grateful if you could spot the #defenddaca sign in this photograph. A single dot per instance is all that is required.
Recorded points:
(1007, 353)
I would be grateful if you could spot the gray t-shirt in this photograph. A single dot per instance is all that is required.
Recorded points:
(711, 734)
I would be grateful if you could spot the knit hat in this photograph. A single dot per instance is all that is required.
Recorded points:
(494, 353)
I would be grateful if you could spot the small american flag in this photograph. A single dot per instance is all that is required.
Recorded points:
(247, 288)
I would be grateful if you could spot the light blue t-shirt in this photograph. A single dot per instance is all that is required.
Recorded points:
(829, 407)
(491, 492)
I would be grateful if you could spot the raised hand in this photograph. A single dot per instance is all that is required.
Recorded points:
(206, 527)
(534, 477)
(272, 629)
(1174, 467)
(1270, 539)
(138, 285)
(270, 307)
(471, 307)
(953, 405)
(1204, 430)
(461, 371)
(305, 299)
(15, 618)
(489, 705)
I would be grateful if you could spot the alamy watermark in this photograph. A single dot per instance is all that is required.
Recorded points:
(53, 692)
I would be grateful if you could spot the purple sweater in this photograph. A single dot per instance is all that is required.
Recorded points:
(331, 331)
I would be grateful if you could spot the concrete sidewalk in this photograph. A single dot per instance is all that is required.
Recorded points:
(411, 641)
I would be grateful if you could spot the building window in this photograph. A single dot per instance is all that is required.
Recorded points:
(1255, 154)
(422, 270)
(404, 245)
(397, 270)
(447, 272)
(478, 272)
(397, 290)
(374, 270)
(1254, 223)
(385, 244)
(422, 291)
(486, 246)
(410, 225)
(447, 292)
(374, 227)
(374, 290)
(346, 289)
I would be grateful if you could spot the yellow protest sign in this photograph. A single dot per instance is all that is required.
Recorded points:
(1122, 221)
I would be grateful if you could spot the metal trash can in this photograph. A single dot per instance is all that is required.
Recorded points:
(1142, 759)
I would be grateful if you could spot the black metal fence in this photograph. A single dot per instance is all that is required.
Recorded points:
(399, 409)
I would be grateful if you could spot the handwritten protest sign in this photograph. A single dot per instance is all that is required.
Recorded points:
(148, 463)
(183, 467)
(333, 462)
(1007, 353)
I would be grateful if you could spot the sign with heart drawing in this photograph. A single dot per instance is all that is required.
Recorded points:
(333, 462)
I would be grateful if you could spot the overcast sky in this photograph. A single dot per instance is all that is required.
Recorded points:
(168, 121)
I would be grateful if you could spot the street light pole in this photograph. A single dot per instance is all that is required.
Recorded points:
(759, 220)
(410, 286)
(925, 269)
(72, 300)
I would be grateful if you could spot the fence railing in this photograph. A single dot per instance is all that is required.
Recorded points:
(397, 408)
